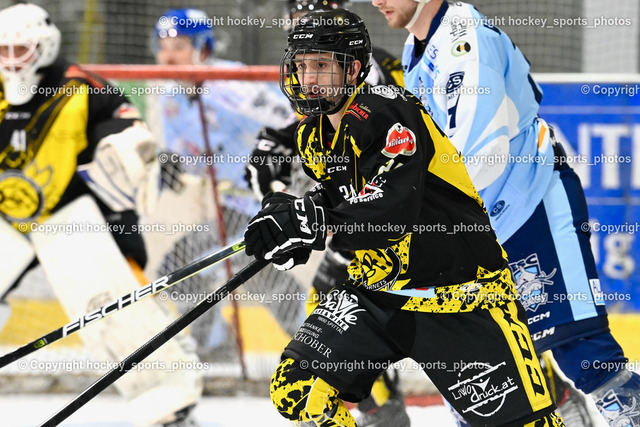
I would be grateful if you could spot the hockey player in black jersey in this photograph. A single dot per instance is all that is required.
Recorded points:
(267, 171)
(428, 281)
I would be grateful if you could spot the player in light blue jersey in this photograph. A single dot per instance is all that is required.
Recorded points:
(234, 111)
(476, 85)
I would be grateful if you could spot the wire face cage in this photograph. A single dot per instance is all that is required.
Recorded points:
(316, 81)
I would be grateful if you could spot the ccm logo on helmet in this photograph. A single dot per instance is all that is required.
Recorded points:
(302, 36)
(355, 42)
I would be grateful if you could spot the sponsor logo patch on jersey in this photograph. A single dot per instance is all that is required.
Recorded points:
(371, 191)
(482, 388)
(460, 48)
(497, 208)
(455, 81)
(530, 281)
(432, 51)
(339, 308)
(458, 30)
(400, 140)
(360, 111)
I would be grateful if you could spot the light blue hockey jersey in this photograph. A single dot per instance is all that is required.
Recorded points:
(475, 83)
(234, 111)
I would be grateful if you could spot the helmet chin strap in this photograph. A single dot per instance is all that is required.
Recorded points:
(421, 4)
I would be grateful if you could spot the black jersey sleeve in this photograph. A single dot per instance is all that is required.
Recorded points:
(394, 154)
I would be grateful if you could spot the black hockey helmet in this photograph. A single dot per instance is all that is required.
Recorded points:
(338, 32)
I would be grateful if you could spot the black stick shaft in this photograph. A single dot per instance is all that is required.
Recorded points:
(124, 301)
(154, 343)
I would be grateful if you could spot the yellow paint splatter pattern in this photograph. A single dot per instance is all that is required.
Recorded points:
(490, 289)
(382, 269)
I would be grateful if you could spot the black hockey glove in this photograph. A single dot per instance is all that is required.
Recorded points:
(275, 198)
(292, 258)
(282, 227)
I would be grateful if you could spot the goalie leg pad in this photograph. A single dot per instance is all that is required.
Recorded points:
(87, 271)
(5, 313)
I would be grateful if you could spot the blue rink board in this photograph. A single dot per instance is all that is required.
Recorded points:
(599, 125)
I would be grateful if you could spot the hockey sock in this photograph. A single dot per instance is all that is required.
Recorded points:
(302, 397)
(551, 420)
(380, 394)
(619, 399)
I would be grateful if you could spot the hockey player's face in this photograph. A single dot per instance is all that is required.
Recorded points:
(175, 51)
(320, 75)
(398, 13)
(15, 57)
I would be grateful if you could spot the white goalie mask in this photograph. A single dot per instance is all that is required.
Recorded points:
(29, 41)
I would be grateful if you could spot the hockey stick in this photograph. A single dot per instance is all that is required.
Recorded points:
(154, 343)
(124, 301)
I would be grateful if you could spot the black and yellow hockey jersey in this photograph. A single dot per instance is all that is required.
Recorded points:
(43, 141)
(385, 69)
(399, 195)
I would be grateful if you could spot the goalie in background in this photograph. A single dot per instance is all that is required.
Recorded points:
(272, 167)
(76, 158)
(435, 296)
(476, 85)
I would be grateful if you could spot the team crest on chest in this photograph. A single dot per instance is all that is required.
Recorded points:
(21, 197)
